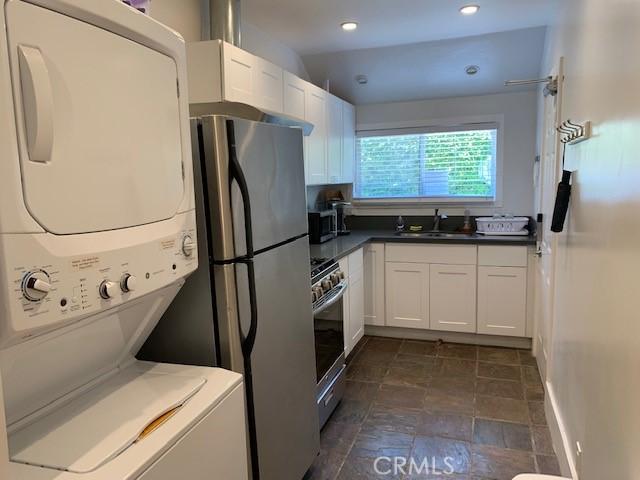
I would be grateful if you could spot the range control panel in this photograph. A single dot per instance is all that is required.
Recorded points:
(60, 289)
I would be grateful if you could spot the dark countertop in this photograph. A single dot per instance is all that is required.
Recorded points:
(344, 245)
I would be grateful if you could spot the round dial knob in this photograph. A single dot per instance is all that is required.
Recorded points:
(188, 245)
(36, 285)
(327, 285)
(128, 283)
(335, 278)
(108, 289)
(319, 292)
(340, 274)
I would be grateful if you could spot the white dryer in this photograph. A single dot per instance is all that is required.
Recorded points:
(97, 233)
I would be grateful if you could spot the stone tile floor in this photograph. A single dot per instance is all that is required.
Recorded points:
(476, 411)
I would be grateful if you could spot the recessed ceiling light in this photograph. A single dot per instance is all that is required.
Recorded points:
(471, 69)
(469, 9)
(349, 26)
(362, 79)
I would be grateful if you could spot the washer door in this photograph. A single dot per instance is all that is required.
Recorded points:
(98, 122)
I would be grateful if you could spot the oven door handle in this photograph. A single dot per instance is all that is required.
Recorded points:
(333, 300)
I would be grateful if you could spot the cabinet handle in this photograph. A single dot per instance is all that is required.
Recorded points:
(452, 273)
(503, 275)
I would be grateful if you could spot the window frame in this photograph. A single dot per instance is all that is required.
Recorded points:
(436, 126)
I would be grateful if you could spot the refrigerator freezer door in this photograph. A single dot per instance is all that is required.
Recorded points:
(283, 360)
(271, 159)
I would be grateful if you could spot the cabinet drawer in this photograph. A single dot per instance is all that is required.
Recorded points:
(498, 256)
(445, 254)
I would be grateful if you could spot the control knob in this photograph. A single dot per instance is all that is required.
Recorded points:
(108, 289)
(188, 245)
(327, 285)
(335, 278)
(36, 285)
(128, 283)
(319, 292)
(340, 274)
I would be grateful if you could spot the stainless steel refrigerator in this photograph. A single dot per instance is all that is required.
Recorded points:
(248, 308)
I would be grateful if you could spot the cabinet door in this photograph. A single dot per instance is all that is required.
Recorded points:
(334, 140)
(356, 308)
(407, 287)
(240, 75)
(374, 284)
(316, 143)
(294, 96)
(348, 142)
(269, 89)
(502, 300)
(452, 298)
(346, 307)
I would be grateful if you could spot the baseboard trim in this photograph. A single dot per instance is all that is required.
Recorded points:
(456, 337)
(561, 443)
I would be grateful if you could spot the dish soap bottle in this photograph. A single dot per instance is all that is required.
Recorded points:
(400, 224)
(466, 228)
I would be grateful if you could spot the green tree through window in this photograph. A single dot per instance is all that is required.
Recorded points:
(441, 164)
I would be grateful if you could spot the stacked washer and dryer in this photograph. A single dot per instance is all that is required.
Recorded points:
(97, 233)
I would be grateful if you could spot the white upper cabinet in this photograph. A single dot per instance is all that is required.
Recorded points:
(348, 142)
(219, 71)
(316, 143)
(269, 88)
(240, 76)
(334, 139)
(294, 96)
(251, 80)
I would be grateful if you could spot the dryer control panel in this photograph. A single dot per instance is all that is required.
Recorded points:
(48, 289)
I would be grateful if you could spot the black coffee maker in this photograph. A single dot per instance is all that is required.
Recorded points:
(340, 207)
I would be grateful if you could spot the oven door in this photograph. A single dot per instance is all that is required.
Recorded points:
(328, 321)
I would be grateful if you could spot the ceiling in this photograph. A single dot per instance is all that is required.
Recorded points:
(432, 69)
(409, 49)
(313, 26)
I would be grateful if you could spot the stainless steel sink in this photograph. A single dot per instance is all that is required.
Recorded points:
(431, 234)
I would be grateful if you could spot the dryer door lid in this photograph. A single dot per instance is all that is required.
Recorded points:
(98, 124)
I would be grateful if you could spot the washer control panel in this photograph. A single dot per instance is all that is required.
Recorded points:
(48, 290)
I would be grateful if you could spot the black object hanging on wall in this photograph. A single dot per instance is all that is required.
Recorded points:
(562, 202)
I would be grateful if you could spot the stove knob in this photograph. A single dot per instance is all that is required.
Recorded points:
(36, 285)
(108, 289)
(128, 283)
(314, 296)
(335, 278)
(319, 292)
(327, 285)
(340, 274)
(188, 245)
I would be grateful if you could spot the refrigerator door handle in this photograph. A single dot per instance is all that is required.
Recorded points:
(248, 340)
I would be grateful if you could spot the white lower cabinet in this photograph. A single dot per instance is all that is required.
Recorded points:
(407, 299)
(374, 295)
(452, 298)
(353, 300)
(356, 309)
(502, 301)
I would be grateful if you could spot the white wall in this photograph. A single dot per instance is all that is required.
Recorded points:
(595, 349)
(519, 146)
(185, 17)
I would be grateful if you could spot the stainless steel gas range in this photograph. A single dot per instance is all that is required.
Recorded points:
(327, 292)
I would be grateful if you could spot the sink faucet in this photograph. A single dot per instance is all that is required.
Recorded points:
(437, 218)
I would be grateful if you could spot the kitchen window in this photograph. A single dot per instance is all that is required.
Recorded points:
(452, 164)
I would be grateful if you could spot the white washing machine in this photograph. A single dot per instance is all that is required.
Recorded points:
(97, 233)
